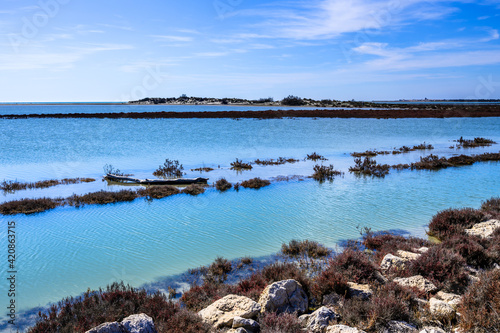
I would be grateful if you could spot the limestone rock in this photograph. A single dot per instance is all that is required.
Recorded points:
(363, 291)
(391, 261)
(432, 330)
(343, 329)
(113, 327)
(222, 312)
(139, 323)
(423, 249)
(248, 324)
(441, 309)
(451, 299)
(284, 296)
(408, 255)
(417, 281)
(399, 327)
(318, 321)
(484, 229)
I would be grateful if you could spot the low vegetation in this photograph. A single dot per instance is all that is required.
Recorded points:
(28, 206)
(255, 183)
(194, 189)
(240, 165)
(315, 157)
(204, 169)
(474, 143)
(451, 222)
(101, 198)
(279, 161)
(396, 151)
(223, 185)
(12, 186)
(305, 248)
(169, 169)
(158, 192)
(323, 173)
(369, 167)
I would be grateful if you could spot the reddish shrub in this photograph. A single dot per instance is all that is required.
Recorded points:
(327, 282)
(113, 304)
(223, 185)
(194, 189)
(443, 267)
(322, 173)
(28, 206)
(201, 296)
(219, 269)
(283, 323)
(158, 192)
(384, 243)
(390, 302)
(101, 198)
(355, 265)
(454, 221)
(480, 306)
(255, 183)
(470, 248)
(492, 207)
(311, 249)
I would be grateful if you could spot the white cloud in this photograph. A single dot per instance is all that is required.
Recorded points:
(170, 38)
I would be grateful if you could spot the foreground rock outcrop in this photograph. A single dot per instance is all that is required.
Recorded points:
(138, 323)
(284, 296)
(222, 312)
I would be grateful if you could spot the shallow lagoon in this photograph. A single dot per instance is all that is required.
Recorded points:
(65, 251)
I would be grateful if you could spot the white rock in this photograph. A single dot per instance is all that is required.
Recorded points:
(423, 249)
(441, 309)
(408, 255)
(484, 229)
(222, 312)
(113, 327)
(343, 329)
(319, 320)
(399, 327)
(432, 330)
(417, 281)
(249, 325)
(451, 299)
(139, 323)
(284, 296)
(363, 291)
(391, 261)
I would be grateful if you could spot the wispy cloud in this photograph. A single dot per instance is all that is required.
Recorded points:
(171, 38)
(119, 27)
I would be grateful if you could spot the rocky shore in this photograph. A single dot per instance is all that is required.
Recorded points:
(380, 283)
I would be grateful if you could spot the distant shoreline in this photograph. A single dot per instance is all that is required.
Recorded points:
(402, 111)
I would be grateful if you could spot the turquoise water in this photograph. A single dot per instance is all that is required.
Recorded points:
(65, 251)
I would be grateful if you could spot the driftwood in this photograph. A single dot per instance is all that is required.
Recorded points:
(175, 181)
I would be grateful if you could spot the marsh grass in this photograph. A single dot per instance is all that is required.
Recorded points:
(204, 169)
(169, 169)
(223, 185)
(315, 157)
(240, 165)
(474, 143)
(279, 161)
(194, 189)
(12, 186)
(305, 248)
(255, 183)
(29, 206)
(323, 173)
(369, 167)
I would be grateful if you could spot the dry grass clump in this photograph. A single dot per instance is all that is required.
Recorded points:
(305, 248)
(158, 192)
(222, 185)
(28, 206)
(255, 183)
(480, 306)
(315, 157)
(218, 270)
(389, 302)
(280, 323)
(194, 189)
(450, 222)
(101, 198)
(279, 161)
(12, 186)
(369, 167)
(171, 168)
(240, 165)
(322, 173)
(113, 304)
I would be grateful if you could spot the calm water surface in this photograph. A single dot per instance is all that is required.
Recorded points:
(65, 251)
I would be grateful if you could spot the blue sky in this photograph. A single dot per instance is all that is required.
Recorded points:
(76, 50)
